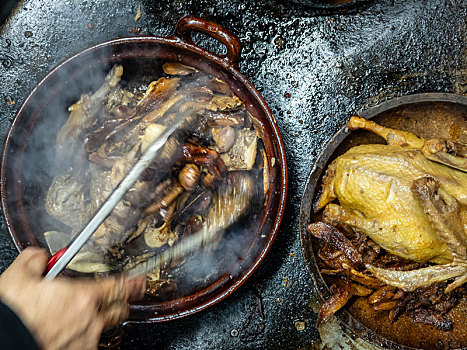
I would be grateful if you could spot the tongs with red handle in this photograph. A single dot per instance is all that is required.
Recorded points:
(55, 258)
(61, 258)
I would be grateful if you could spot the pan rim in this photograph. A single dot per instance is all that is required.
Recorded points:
(276, 140)
(351, 325)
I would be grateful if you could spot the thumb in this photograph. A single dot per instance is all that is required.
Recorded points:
(33, 261)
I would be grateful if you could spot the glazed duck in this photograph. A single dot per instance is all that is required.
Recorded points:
(409, 196)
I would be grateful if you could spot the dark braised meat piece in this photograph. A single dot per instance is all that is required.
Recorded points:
(193, 225)
(122, 111)
(206, 157)
(336, 239)
(338, 250)
(156, 94)
(175, 68)
(158, 99)
(431, 318)
(197, 204)
(97, 138)
(83, 115)
(341, 292)
(219, 86)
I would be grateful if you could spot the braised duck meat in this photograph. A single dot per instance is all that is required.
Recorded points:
(188, 188)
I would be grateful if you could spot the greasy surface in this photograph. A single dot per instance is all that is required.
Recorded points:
(428, 120)
(313, 68)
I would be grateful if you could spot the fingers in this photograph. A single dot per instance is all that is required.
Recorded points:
(106, 302)
(93, 334)
(137, 287)
(113, 303)
(114, 315)
(112, 290)
(114, 294)
(33, 261)
(119, 290)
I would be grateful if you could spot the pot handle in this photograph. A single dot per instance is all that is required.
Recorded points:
(191, 23)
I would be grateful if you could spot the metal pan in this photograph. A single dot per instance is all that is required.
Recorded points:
(22, 195)
(428, 115)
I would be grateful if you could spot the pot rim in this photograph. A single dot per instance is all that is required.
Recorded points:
(228, 66)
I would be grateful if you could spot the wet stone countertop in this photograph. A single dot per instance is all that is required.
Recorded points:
(313, 67)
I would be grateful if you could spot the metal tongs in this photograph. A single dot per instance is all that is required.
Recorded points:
(61, 258)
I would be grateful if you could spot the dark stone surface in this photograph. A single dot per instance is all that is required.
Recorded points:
(6, 7)
(314, 68)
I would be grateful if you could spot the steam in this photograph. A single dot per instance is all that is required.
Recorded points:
(32, 146)
(94, 93)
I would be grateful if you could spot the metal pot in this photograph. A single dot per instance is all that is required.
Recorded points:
(26, 159)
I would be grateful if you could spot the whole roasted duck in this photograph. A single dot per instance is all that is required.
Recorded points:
(408, 197)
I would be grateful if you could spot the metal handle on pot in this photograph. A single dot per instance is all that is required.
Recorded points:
(193, 23)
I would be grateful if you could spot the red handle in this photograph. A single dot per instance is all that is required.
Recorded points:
(55, 258)
(193, 23)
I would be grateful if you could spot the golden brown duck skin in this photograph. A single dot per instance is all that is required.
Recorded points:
(373, 185)
(410, 198)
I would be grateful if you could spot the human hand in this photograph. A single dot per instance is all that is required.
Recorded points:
(65, 313)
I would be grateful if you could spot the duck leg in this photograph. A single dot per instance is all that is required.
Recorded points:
(392, 136)
(408, 281)
(450, 153)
